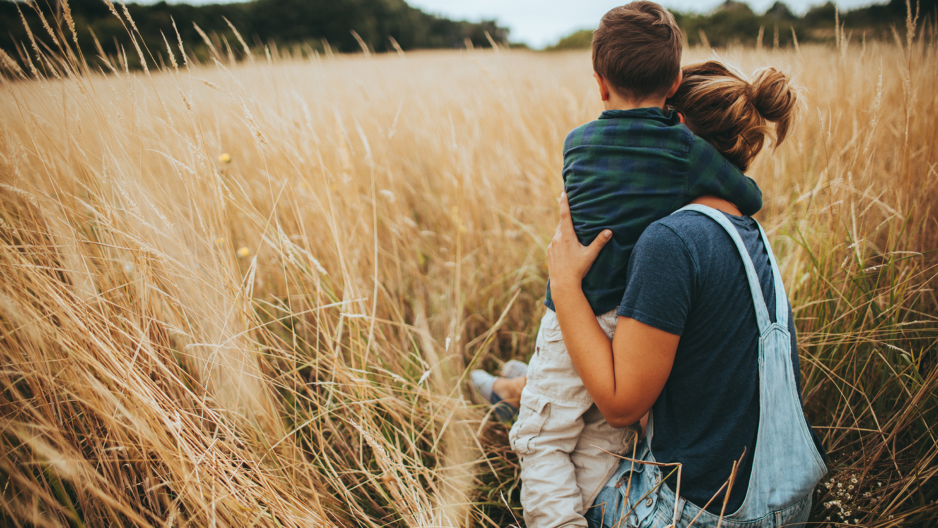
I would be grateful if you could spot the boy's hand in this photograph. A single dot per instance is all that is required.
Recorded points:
(568, 261)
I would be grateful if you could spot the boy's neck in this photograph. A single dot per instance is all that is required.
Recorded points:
(617, 102)
(613, 100)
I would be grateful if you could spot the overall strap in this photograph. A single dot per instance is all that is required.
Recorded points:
(755, 288)
(781, 297)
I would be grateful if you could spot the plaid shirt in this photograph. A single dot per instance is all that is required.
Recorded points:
(630, 168)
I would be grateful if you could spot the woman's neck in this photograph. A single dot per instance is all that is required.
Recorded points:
(719, 204)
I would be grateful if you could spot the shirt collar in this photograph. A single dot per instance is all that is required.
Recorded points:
(669, 116)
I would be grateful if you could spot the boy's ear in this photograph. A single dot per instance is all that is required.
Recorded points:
(676, 85)
(603, 86)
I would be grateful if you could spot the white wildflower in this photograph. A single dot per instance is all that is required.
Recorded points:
(424, 377)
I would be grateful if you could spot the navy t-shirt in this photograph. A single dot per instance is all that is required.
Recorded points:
(686, 277)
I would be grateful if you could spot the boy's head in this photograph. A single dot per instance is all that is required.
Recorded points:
(637, 50)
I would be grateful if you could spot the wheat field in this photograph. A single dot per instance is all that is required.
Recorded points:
(247, 293)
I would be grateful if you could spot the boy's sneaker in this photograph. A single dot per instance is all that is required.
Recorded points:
(514, 369)
(482, 382)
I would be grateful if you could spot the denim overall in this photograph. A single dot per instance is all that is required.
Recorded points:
(786, 465)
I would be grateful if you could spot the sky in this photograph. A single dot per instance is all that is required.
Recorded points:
(539, 23)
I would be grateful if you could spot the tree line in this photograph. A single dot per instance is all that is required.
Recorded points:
(736, 23)
(323, 26)
(327, 26)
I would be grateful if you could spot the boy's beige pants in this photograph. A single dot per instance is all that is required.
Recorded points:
(561, 437)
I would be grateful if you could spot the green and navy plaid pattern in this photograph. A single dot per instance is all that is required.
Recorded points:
(630, 168)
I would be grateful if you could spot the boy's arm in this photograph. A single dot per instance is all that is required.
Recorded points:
(710, 173)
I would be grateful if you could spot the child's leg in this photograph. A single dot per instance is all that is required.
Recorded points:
(509, 390)
(504, 390)
(514, 369)
(549, 424)
(504, 394)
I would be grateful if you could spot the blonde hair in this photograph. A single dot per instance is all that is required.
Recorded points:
(731, 113)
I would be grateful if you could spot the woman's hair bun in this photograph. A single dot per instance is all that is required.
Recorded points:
(730, 112)
(774, 98)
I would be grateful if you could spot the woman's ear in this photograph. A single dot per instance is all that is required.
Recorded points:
(603, 87)
(676, 85)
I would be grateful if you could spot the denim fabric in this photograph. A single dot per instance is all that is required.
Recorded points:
(786, 464)
(655, 505)
(613, 506)
(561, 437)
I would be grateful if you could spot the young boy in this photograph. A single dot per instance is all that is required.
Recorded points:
(634, 165)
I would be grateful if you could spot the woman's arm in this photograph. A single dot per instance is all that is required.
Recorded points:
(624, 377)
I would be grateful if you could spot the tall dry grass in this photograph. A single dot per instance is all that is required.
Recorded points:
(282, 339)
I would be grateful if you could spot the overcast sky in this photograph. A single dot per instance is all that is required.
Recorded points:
(542, 22)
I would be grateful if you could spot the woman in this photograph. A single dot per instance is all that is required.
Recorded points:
(696, 347)
(705, 346)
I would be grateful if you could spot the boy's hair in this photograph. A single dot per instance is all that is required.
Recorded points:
(637, 50)
(731, 113)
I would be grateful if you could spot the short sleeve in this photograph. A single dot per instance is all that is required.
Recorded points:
(662, 274)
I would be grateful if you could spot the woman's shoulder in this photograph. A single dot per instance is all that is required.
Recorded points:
(696, 233)
(680, 225)
(683, 222)
(665, 244)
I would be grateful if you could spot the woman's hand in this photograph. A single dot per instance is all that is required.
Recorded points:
(568, 261)
(624, 377)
